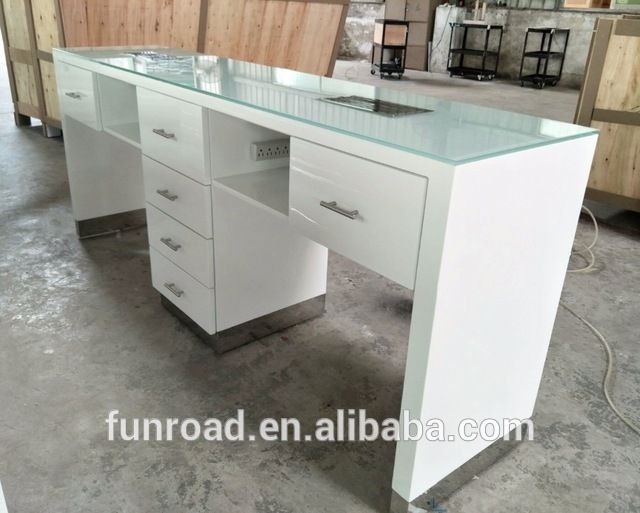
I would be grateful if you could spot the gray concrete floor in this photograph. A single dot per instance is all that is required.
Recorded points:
(83, 332)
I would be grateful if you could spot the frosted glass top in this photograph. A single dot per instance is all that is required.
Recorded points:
(453, 132)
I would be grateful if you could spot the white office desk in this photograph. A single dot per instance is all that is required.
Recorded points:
(474, 209)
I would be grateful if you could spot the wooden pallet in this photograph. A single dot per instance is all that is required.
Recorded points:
(610, 101)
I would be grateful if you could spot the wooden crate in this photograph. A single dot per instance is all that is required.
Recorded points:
(303, 35)
(609, 101)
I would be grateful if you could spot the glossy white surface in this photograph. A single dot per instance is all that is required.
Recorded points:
(385, 234)
(196, 300)
(105, 174)
(266, 189)
(490, 273)
(192, 205)
(184, 247)
(78, 95)
(262, 265)
(185, 150)
(119, 109)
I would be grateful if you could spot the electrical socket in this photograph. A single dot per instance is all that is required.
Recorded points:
(270, 150)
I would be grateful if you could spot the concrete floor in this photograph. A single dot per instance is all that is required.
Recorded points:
(83, 332)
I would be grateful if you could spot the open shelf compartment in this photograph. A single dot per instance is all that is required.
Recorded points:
(263, 183)
(119, 110)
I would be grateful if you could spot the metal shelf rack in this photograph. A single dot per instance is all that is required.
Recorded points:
(389, 51)
(544, 56)
(483, 70)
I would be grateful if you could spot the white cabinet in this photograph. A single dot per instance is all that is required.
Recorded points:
(182, 198)
(78, 94)
(366, 211)
(184, 291)
(173, 132)
(184, 247)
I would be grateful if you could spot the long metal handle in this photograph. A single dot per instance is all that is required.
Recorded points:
(170, 244)
(163, 133)
(333, 206)
(75, 96)
(175, 290)
(166, 194)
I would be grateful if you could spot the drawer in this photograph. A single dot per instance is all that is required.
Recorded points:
(384, 235)
(78, 94)
(182, 198)
(184, 291)
(184, 247)
(174, 132)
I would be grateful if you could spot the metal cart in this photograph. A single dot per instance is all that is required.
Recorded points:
(544, 56)
(389, 47)
(485, 55)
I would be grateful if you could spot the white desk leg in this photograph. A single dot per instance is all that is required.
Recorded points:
(105, 179)
(496, 242)
(3, 504)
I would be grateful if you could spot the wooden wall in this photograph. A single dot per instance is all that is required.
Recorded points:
(299, 35)
(303, 35)
(610, 101)
(172, 23)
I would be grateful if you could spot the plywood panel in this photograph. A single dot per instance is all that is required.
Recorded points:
(616, 167)
(25, 78)
(16, 21)
(49, 89)
(172, 23)
(292, 34)
(45, 21)
(620, 85)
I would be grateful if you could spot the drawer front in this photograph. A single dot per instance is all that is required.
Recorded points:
(184, 291)
(78, 94)
(182, 246)
(182, 198)
(384, 234)
(174, 132)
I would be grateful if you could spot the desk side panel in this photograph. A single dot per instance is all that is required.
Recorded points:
(479, 340)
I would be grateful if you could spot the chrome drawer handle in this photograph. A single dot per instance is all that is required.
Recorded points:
(170, 244)
(163, 133)
(175, 290)
(333, 206)
(75, 96)
(166, 194)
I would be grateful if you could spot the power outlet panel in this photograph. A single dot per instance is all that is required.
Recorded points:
(270, 150)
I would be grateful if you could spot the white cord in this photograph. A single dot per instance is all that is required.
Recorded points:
(607, 348)
(607, 375)
(590, 257)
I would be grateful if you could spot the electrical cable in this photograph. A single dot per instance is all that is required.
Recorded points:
(607, 348)
(591, 258)
(607, 375)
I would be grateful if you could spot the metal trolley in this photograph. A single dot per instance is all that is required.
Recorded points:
(485, 55)
(544, 56)
(389, 47)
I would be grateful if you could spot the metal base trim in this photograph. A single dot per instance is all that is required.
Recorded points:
(113, 223)
(445, 488)
(254, 329)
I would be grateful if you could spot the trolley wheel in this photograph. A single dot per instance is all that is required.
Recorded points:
(373, 71)
(521, 84)
(554, 83)
(400, 76)
(480, 77)
(540, 85)
(491, 77)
